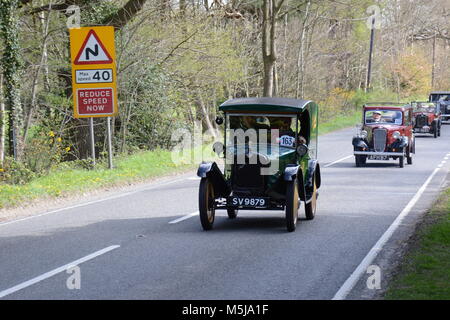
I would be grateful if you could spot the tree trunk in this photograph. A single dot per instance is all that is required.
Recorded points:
(270, 13)
(299, 92)
(42, 62)
(9, 27)
(2, 124)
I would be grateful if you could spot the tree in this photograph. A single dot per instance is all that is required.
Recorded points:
(270, 11)
(9, 30)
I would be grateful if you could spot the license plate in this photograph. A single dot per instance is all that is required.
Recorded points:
(248, 202)
(378, 158)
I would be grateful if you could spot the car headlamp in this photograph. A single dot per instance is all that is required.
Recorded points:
(302, 150)
(396, 135)
(363, 134)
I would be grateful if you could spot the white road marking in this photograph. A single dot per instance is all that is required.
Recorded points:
(193, 178)
(366, 262)
(49, 274)
(334, 162)
(196, 213)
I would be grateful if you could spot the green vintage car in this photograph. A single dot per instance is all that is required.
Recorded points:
(270, 156)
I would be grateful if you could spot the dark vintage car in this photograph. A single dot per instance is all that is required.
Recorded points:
(270, 152)
(386, 133)
(426, 118)
(442, 101)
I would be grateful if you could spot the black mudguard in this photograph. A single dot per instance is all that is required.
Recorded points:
(313, 167)
(211, 171)
(359, 143)
(290, 173)
(400, 143)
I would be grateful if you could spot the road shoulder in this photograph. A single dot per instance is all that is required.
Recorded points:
(47, 205)
(389, 260)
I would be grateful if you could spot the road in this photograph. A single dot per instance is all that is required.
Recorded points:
(149, 244)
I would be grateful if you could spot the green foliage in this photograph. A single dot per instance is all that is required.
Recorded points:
(149, 110)
(93, 13)
(411, 74)
(44, 150)
(15, 172)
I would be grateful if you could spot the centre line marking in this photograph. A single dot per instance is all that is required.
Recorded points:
(196, 213)
(53, 272)
(368, 259)
(334, 162)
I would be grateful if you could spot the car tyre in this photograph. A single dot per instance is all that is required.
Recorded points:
(311, 206)
(360, 160)
(292, 205)
(206, 203)
(232, 213)
(409, 157)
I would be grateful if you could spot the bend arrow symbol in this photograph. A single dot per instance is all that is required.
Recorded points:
(92, 51)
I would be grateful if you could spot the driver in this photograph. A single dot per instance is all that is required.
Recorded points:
(376, 116)
(248, 122)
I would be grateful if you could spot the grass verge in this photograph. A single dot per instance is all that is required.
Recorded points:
(134, 168)
(425, 272)
(340, 122)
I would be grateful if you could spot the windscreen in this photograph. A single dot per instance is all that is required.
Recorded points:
(264, 129)
(384, 116)
(427, 107)
(440, 97)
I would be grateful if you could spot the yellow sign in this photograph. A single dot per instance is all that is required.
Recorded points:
(93, 59)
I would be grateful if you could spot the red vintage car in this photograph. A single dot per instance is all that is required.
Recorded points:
(426, 118)
(386, 133)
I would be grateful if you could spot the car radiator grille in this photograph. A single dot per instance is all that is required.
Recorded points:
(247, 176)
(379, 139)
(421, 120)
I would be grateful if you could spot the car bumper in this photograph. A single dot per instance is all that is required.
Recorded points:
(422, 130)
(374, 153)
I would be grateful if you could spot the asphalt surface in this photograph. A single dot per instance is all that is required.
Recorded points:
(155, 247)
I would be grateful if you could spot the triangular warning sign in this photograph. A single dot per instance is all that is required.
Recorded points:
(93, 51)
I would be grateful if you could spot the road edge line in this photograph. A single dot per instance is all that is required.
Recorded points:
(348, 285)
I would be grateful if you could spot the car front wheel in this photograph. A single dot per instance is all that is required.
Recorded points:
(310, 207)
(401, 161)
(206, 203)
(360, 160)
(292, 205)
(409, 157)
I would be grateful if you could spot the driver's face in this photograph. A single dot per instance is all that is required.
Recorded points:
(376, 116)
(249, 121)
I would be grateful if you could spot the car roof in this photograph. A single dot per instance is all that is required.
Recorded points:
(440, 92)
(387, 105)
(265, 104)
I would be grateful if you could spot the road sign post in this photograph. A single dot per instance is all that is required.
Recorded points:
(94, 76)
(92, 136)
